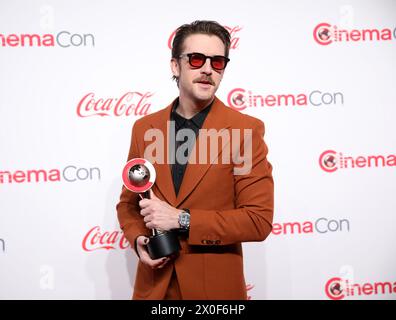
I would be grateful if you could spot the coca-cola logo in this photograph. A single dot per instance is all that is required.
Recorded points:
(232, 30)
(95, 239)
(248, 288)
(129, 104)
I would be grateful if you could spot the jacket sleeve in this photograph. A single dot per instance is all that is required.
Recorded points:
(251, 220)
(128, 210)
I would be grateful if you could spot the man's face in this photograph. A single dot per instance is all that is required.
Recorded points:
(198, 85)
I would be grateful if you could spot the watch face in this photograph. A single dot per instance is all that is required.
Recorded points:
(184, 219)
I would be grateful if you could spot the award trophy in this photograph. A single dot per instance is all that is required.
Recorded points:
(139, 177)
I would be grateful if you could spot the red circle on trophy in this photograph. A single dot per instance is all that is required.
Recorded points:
(138, 175)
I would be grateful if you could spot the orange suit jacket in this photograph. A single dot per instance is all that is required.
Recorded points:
(226, 210)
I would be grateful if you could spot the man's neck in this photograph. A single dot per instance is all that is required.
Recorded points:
(188, 109)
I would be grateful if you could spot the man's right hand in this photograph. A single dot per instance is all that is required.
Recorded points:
(141, 243)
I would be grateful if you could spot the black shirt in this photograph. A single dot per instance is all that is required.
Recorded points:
(180, 160)
(178, 169)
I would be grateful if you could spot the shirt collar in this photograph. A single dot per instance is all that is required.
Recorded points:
(197, 120)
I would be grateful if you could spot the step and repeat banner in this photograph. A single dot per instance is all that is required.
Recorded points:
(75, 76)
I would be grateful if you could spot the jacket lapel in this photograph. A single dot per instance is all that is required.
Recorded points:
(164, 180)
(195, 171)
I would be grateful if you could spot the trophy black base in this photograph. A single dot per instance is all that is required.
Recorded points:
(163, 244)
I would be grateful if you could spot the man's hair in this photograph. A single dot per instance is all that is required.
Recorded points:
(211, 28)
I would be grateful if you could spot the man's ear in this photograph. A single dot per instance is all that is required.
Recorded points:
(175, 67)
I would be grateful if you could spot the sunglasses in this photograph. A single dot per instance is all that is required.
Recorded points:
(197, 60)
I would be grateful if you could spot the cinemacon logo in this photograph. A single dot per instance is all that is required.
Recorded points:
(232, 30)
(240, 99)
(70, 173)
(63, 39)
(337, 288)
(96, 239)
(325, 34)
(331, 161)
(131, 103)
(321, 225)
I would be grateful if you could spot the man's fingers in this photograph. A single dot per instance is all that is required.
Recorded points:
(145, 258)
(147, 218)
(144, 203)
(142, 240)
(163, 263)
(143, 212)
(159, 263)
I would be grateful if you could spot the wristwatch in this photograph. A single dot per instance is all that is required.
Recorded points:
(184, 219)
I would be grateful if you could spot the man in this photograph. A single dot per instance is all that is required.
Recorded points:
(222, 197)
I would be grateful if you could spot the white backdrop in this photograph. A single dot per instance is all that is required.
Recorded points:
(320, 74)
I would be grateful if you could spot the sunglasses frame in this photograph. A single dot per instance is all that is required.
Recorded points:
(190, 55)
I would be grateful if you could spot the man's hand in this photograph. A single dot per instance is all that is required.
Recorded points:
(141, 243)
(159, 214)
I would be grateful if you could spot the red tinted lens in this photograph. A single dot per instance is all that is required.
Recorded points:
(218, 63)
(197, 60)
